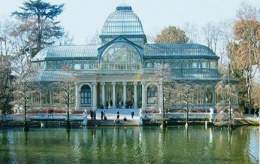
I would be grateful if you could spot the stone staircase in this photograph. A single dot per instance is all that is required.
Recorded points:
(111, 115)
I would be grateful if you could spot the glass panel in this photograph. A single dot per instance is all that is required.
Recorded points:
(152, 95)
(77, 66)
(121, 57)
(85, 96)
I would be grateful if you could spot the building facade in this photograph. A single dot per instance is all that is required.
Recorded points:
(125, 71)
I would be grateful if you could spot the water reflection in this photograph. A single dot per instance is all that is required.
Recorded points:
(130, 145)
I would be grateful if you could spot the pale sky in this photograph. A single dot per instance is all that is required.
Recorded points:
(84, 18)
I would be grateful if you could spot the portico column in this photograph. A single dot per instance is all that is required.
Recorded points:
(124, 93)
(76, 97)
(103, 93)
(40, 98)
(94, 96)
(135, 94)
(114, 94)
(143, 95)
(160, 97)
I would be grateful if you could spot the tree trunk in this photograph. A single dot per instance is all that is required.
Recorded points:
(26, 126)
(68, 114)
(187, 113)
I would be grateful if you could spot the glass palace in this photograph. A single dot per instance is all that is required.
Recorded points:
(125, 71)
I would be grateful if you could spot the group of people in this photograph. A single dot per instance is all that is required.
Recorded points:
(103, 115)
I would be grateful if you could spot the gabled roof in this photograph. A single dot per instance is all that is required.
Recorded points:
(54, 52)
(120, 39)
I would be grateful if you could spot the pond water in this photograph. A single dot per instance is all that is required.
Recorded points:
(131, 145)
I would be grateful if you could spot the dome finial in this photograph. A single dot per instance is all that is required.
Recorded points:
(124, 6)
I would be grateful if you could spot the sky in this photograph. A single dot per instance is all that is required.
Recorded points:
(83, 19)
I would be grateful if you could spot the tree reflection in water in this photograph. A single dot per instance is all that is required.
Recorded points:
(129, 145)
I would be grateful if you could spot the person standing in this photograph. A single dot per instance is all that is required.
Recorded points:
(132, 114)
(102, 115)
(117, 115)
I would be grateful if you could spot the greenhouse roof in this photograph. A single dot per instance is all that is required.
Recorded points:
(186, 49)
(66, 52)
(52, 76)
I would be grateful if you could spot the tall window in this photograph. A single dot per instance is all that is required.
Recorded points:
(85, 96)
(152, 94)
(121, 56)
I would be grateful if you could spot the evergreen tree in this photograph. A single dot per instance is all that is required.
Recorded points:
(38, 19)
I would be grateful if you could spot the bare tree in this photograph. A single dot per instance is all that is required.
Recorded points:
(5, 85)
(226, 37)
(182, 93)
(175, 92)
(192, 32)
(23, 71)
(65, 40)
(212, 35)
(66, 92)
(23, 87)
(5, 68)
(227, 97)
(244, 51)
(5, 46)
(256, 95)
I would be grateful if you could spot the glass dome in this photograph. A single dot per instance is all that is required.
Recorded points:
(123, 21)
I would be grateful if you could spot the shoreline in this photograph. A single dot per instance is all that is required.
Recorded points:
(121, 123)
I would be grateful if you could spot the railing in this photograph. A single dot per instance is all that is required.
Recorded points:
(121, 111)
(179, 115)
(192, 106)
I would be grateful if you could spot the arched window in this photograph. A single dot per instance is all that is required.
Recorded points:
(209, 94)
(121, 56)
(152, 94)
(85, 96)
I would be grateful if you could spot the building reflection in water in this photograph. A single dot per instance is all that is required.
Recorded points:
(130, 145)
(210, 136)
(254, 144)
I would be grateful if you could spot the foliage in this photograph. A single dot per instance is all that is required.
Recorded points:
(244, 50)
(38, 18)
(172, 34)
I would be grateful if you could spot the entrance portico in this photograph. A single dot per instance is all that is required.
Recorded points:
(111, 95)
